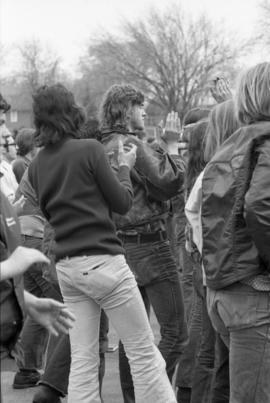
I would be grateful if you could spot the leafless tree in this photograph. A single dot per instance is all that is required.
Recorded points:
(170, 56)
(265, 22)
(39, 65)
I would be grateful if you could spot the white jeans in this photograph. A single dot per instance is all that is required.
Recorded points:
(89, 283)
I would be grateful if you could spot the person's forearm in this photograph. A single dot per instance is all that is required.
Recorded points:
(30, 301)
(172, 148)
(10, 267)
(117, 189)
(7, 270)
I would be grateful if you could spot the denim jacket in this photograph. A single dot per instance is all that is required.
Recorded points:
(156, 178)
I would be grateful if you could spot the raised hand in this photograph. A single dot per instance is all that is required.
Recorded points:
(127, 154)
(171, 132)
(172, 123)
(220, 89)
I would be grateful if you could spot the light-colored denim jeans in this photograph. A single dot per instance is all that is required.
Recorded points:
(242, 316)
(89, 283)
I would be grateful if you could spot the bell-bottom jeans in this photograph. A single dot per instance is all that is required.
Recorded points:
(89, 283)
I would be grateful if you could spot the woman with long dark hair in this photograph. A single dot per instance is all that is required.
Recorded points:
(77, 192)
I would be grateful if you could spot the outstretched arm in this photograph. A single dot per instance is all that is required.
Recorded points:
(19, 261)
(51, 314)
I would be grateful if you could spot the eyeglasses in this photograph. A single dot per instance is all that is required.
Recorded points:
(7, 144)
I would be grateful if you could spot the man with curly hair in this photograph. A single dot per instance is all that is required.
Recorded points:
(155, 179)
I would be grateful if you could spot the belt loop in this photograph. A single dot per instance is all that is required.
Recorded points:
(138, 238)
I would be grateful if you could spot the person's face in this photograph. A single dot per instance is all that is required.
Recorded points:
(7, 143)
(137, 115)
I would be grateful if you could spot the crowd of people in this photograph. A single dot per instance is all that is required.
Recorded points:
(106, 225)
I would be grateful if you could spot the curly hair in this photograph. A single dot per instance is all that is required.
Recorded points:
(115, 104)
(25, 141)
(90, 129)
(56, 115)
(252, 94)
(222, 123)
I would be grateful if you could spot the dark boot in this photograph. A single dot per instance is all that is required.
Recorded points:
(183, 395)
(46, 394)
(26, 379)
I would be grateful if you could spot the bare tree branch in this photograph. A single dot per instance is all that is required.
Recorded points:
(40, 65)
(169, 56)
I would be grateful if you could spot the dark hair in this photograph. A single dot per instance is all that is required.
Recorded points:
(115, 105)
(4, 106)
(194, 115)
(25, 141)
(56, 115)
(222, 124)
(90, 129)
(196, 162)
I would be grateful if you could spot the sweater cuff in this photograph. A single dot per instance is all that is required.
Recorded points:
(123, 170)
(124, 175)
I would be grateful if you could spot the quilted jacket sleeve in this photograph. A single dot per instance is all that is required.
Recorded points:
(257, 204)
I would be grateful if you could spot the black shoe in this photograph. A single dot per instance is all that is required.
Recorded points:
(45, 394)
(26, 379)
(183, 395)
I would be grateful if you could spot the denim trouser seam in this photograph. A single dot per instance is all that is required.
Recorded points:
(262, 357)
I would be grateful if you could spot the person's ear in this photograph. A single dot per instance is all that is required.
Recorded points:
(129, 113)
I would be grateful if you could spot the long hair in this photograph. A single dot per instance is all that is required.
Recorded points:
(196, 162)
(115, 104)
(222, 123)
(252, 94)
(194, 115)
(56, 115)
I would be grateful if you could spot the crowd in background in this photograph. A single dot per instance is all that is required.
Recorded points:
(179, 223)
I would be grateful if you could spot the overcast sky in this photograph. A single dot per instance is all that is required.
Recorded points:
(66, 25)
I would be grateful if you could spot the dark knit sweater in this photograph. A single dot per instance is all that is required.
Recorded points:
(77, 192)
